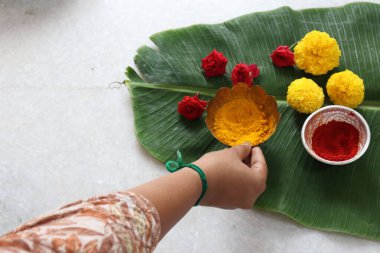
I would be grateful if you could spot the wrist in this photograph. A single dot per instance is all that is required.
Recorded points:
(175, 166)
(194, 180)
(208, 172)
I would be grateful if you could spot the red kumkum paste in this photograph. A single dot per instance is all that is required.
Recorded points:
(336, 141)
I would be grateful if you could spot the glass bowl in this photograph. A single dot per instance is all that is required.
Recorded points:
(337, 113)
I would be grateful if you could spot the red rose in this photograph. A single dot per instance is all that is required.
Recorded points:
(255, 71)
(191, 107)
(282, 57)
(214, 64)
(244, 73)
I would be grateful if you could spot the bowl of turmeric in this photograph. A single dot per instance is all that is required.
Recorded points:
(242, 114)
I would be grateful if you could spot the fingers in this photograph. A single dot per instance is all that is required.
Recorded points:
(247, 161)
(242, 150)
(258, 162)
(257, 156)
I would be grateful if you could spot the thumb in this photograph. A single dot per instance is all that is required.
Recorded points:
(242, 150)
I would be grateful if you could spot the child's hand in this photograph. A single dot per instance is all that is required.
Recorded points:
(236, 176)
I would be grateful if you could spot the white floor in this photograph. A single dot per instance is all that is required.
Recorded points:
(65, 135)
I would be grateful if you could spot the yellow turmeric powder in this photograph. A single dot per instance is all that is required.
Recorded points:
(239, 121)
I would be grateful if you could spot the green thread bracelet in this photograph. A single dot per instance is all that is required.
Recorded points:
(173, 166)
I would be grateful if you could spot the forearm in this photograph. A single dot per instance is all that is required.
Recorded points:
(124, 220)
(173, 195)
(116, 222)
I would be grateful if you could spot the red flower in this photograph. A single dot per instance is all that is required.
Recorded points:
(255, 71)
(191, 107)
(282, 57)
(244, 73)
(214, 64)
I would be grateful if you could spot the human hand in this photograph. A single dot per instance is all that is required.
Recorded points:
(236, 176)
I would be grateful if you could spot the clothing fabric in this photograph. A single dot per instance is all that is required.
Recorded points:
(117, 222)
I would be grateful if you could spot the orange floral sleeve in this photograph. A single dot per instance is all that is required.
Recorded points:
(118, 222)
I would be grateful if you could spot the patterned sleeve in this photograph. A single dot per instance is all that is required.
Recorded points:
(118, 222)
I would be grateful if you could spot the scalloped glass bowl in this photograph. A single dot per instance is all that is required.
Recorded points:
(338, 113)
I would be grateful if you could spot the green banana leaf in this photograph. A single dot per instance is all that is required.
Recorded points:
(342, 198)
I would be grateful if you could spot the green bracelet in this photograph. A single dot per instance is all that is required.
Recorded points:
(173, 166)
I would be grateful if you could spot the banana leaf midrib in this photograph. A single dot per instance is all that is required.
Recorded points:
(374, 105)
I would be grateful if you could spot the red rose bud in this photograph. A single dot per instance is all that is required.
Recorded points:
(282, 57)
(214, 64)
(191, 107)
(244, 73)
(254, 70)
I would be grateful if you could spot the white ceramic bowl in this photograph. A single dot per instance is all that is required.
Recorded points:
(338, 113)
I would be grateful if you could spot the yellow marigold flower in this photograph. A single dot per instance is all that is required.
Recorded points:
(305, 96)
(317, 53)
(345, 88)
